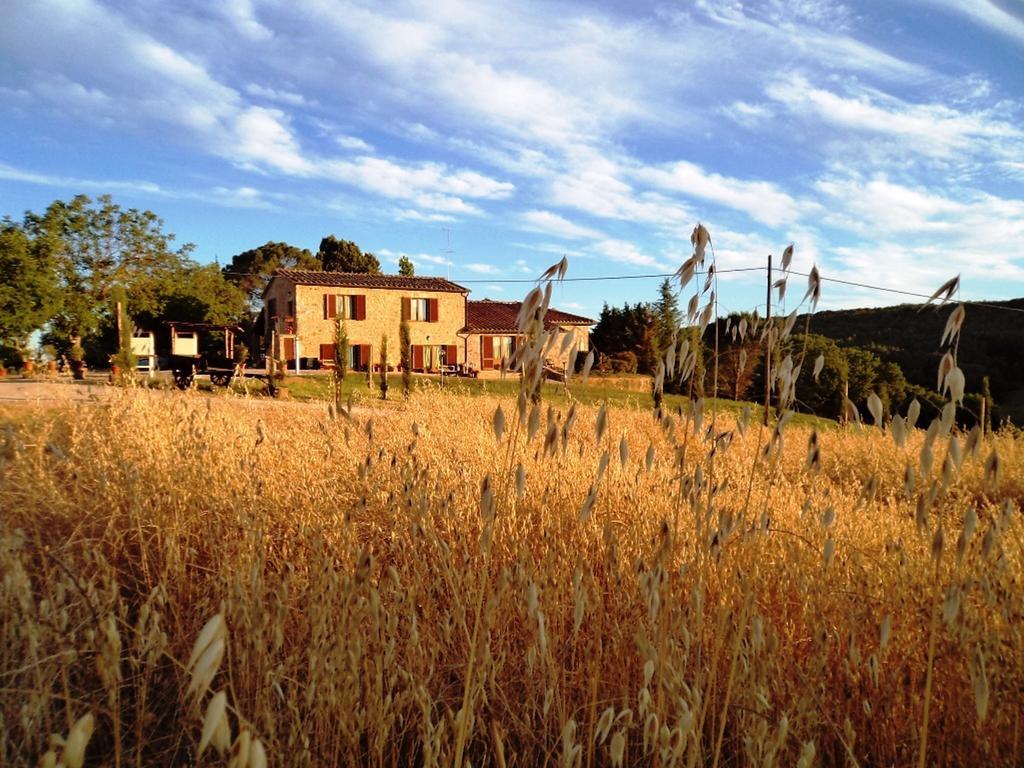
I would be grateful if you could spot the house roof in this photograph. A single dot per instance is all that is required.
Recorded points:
(487, 316)
(364, 280)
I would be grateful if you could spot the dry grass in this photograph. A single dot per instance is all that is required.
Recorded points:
(368, 601)
(487, 581)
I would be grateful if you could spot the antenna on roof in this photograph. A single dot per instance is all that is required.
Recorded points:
(448, 250)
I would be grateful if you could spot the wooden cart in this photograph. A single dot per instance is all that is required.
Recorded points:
(187, 361)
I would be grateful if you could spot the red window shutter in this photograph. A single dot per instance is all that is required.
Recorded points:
(406, 311)
(327, 353)
(487, 355)
(417, 356)
(432, 310)
(360, 308)
(451, 355)
(364, 355)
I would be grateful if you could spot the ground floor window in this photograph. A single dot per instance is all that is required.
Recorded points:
(358, 356)
(431, 357)
(495, 349)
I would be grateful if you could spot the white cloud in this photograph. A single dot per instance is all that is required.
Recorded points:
(879, 205)
(430, 186)
(602, 193)
(352, 142)
(1005, 19)
(410, 214)
(290, 98)
(927, 128)
(626, 253)
(823, 44)
(481, 268)
(238, 197)
(243, 16)
(761, 200)
(264, 137)
(748, 115)
(430, 259)
(553, 224)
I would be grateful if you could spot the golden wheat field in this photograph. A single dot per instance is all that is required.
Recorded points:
(226, 581)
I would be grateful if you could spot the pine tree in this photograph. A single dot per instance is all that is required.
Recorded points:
(405, 342)
(384, 367)
(340, 359)
(667, 318)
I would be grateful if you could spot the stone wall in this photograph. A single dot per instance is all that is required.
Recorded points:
(383, 316)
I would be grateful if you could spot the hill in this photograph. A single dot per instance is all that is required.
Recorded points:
(908, 334)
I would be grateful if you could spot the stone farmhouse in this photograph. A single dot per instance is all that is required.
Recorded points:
(446, 329)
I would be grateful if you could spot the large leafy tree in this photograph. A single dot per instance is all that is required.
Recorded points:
(345, 256)
(97, 246)
(29, 294)
(250, 270)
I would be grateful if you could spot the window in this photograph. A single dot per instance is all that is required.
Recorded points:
(495, 349)
(418, 309)
(272, 308)
(504, 346)
(431, 357)
(344, 307)
(291, 308)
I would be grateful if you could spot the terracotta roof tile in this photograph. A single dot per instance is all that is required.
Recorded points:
(363, 280)
(488, 316)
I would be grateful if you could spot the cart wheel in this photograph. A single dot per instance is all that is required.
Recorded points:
(220, 379)
(183, 379)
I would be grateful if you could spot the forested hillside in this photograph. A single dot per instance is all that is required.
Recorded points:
(992, 344)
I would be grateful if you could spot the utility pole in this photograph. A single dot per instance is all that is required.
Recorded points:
(768, 344)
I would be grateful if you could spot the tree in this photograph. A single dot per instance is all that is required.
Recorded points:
(345, 256)
(340, 359)
(125, 358)
(405, 267)
(98, 246)
(405, 354)
(250, 270)
(822, 395)
(626, 329)
(383, 367)
(666, 318)
(29, 294)
(691, 335)
(738, 355)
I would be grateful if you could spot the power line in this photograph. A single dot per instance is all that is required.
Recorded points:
(662, 275)
(907, 293)
(609, 277)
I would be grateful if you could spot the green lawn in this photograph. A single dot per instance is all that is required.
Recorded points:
(312, 386)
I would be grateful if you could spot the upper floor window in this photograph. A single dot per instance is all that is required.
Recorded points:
(272, 307)
(344, 307)
(420, 310)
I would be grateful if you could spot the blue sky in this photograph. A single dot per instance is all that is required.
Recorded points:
(884, 139)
